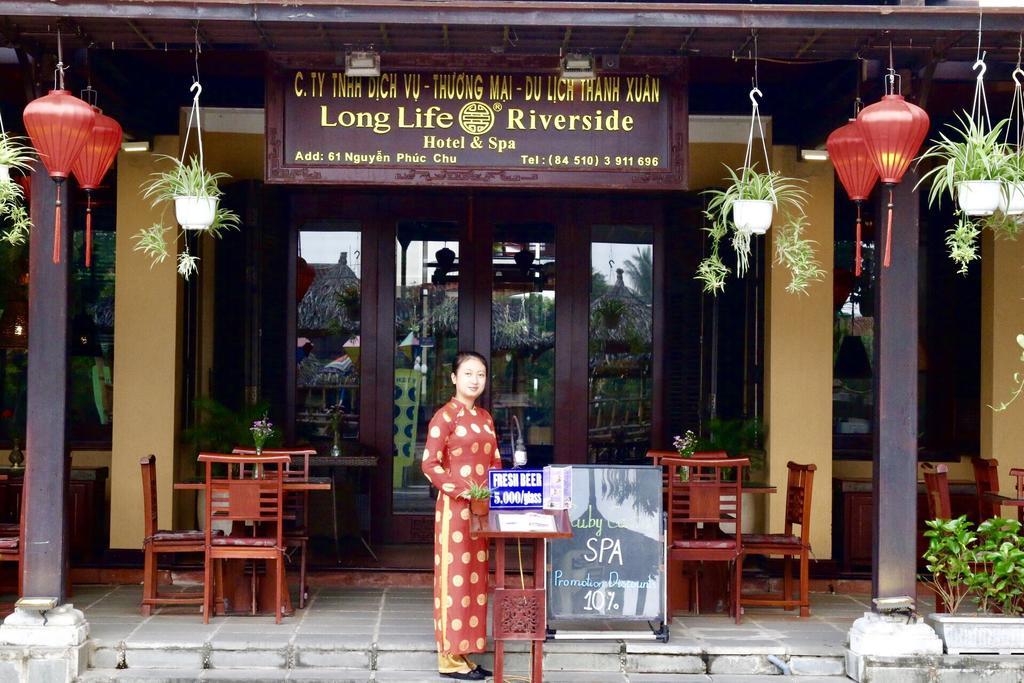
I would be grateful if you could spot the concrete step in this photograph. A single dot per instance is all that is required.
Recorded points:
(351, 676)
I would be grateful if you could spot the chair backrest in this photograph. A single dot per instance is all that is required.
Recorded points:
(799, 488)
(936, 483)
(986, 480)
(706, 498)
(149, 508)
(292, 470)
(238, 497)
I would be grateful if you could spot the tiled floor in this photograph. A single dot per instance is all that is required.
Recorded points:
(404, 616)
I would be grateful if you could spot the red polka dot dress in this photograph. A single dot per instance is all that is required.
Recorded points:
(460, 448)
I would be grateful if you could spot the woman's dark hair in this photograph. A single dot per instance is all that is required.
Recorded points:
(462, 356)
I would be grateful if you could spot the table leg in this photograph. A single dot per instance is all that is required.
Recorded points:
(499, 582)
(334, 512)
(539, 574)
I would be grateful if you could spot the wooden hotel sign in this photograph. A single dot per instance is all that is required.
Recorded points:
(476, 125)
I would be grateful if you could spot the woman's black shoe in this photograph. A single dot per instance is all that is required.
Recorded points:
(485, 672)
(474, 675)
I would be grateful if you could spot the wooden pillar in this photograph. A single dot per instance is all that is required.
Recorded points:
(45, 544)
(894, 530)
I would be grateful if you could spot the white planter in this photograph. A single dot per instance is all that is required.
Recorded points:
(5, 173)
(979, 197)
(753, 215)
(195, 213)
(1015, 205)
(979, 634)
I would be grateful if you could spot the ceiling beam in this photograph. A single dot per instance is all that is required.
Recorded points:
(808, 44)
(141, 34)
(384, 38)
(627, 40)
(540, 13)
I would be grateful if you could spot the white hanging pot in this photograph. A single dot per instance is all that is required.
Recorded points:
(195, 213)
(979, 197)
(5, 173)
(752, 215)
(1011, 201)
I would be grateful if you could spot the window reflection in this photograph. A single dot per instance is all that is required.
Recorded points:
(328, 337)
(426, 341)
(523, 340)
(621, 343)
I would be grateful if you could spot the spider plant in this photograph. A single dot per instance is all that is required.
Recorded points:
(182, 180)
(14, 153)
(791, 249)
(13, 214)
(970, 153)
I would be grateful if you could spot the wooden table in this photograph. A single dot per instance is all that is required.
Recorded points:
(239, 590)
(531, 603)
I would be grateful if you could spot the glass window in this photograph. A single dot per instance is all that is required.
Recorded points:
(327, 340)
(523, 340)
(426, 341)
(621, 343)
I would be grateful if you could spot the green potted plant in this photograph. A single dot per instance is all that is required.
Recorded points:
(479, 498)
(195, 194)
(610, 312)
(971, 165)
(745, 208)
(985, 565)
(14, 154)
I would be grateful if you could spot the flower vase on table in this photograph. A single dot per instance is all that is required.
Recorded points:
(336, 446)
(685, 445)
(16, 456)
(262, 430)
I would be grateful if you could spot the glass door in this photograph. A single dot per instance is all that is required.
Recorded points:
(427, 291)
(522, 390)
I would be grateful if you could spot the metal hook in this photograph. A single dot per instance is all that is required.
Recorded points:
(754, 92)
(1014, 76)
(198, 88)
(979, 64)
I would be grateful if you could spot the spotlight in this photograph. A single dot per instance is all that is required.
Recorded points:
(362, 63)
(814, 155)
(135, 146)
(577, 66)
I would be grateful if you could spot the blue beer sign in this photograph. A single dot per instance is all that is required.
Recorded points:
(516, 489)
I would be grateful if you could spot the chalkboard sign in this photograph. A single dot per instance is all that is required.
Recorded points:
(613, 567)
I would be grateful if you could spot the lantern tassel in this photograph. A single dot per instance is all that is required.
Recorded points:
(56, 228)
(857, 259)
(88, 229)
(888, 233)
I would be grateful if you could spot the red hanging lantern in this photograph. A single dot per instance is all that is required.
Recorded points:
(59, 125)
(893, 131)
(92, 164)
(856, 171)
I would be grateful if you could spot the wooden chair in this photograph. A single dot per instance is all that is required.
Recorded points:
(296, 507)
(158, 542)
(986, 481)
(10, 545)
(799, 487)
(696, 510)
(260, 500)
(936, 483)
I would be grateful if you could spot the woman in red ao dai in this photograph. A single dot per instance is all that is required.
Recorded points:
(460, 448)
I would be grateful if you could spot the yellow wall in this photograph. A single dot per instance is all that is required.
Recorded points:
(798, 359)
(1002, 319)
(146, 353)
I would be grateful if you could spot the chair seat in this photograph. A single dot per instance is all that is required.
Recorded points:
(788, 540)
(9, 543)
(716, 544)
(245, 542)
(181, 536)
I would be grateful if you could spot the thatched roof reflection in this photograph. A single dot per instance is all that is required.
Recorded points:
(620, 315)
(323, 305)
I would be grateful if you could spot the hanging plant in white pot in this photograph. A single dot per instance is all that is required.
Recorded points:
(746, 207)
(17, 156)
(980, 172)
(195, 193)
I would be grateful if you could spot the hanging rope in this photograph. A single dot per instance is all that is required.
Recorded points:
(755, 120)
(58, 76)
(1016, 117)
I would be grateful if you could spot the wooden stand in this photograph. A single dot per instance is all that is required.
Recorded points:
(519, 613)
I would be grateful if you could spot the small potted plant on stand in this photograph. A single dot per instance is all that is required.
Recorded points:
(479, 498)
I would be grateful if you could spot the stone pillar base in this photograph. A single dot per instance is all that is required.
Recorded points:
(877, 635)
(44, 646)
